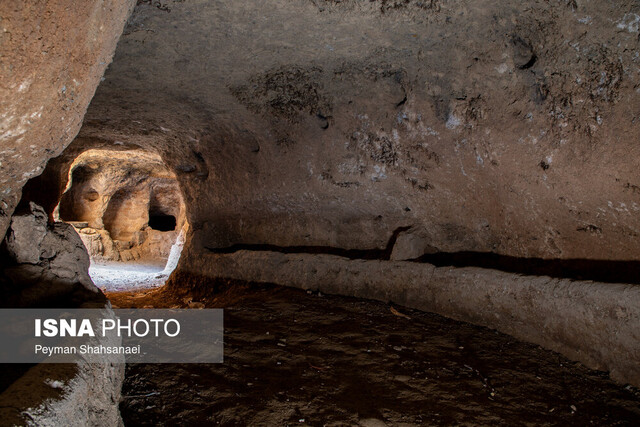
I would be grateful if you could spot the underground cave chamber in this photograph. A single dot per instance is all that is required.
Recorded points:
(129, 212)
(125, 205)
(412, 212)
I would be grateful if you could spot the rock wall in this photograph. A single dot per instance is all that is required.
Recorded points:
(486, 126)
(385, 129)
(53, 57)
(46, 265)
(65, 395)
(489, 127)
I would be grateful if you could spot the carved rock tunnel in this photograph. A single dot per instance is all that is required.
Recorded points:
(474, 159)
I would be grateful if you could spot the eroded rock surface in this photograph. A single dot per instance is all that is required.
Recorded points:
(487, 126)
(65, 395)
(312, 127)
(53, 57)
(44, 265)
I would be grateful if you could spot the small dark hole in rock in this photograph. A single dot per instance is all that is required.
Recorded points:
(162, 222)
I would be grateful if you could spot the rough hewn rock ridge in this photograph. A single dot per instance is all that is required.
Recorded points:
(88, 394)
(595, 323)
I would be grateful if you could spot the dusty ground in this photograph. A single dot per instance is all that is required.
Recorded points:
(122, 276)
(293, 358)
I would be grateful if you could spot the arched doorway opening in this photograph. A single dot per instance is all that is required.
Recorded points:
(130, 214)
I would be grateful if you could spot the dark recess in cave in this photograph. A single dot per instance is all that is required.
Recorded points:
(162, 222)
(68, 205)
(598, 270)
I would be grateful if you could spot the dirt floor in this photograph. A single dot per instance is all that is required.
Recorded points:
(296, 358)
(121, 276)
